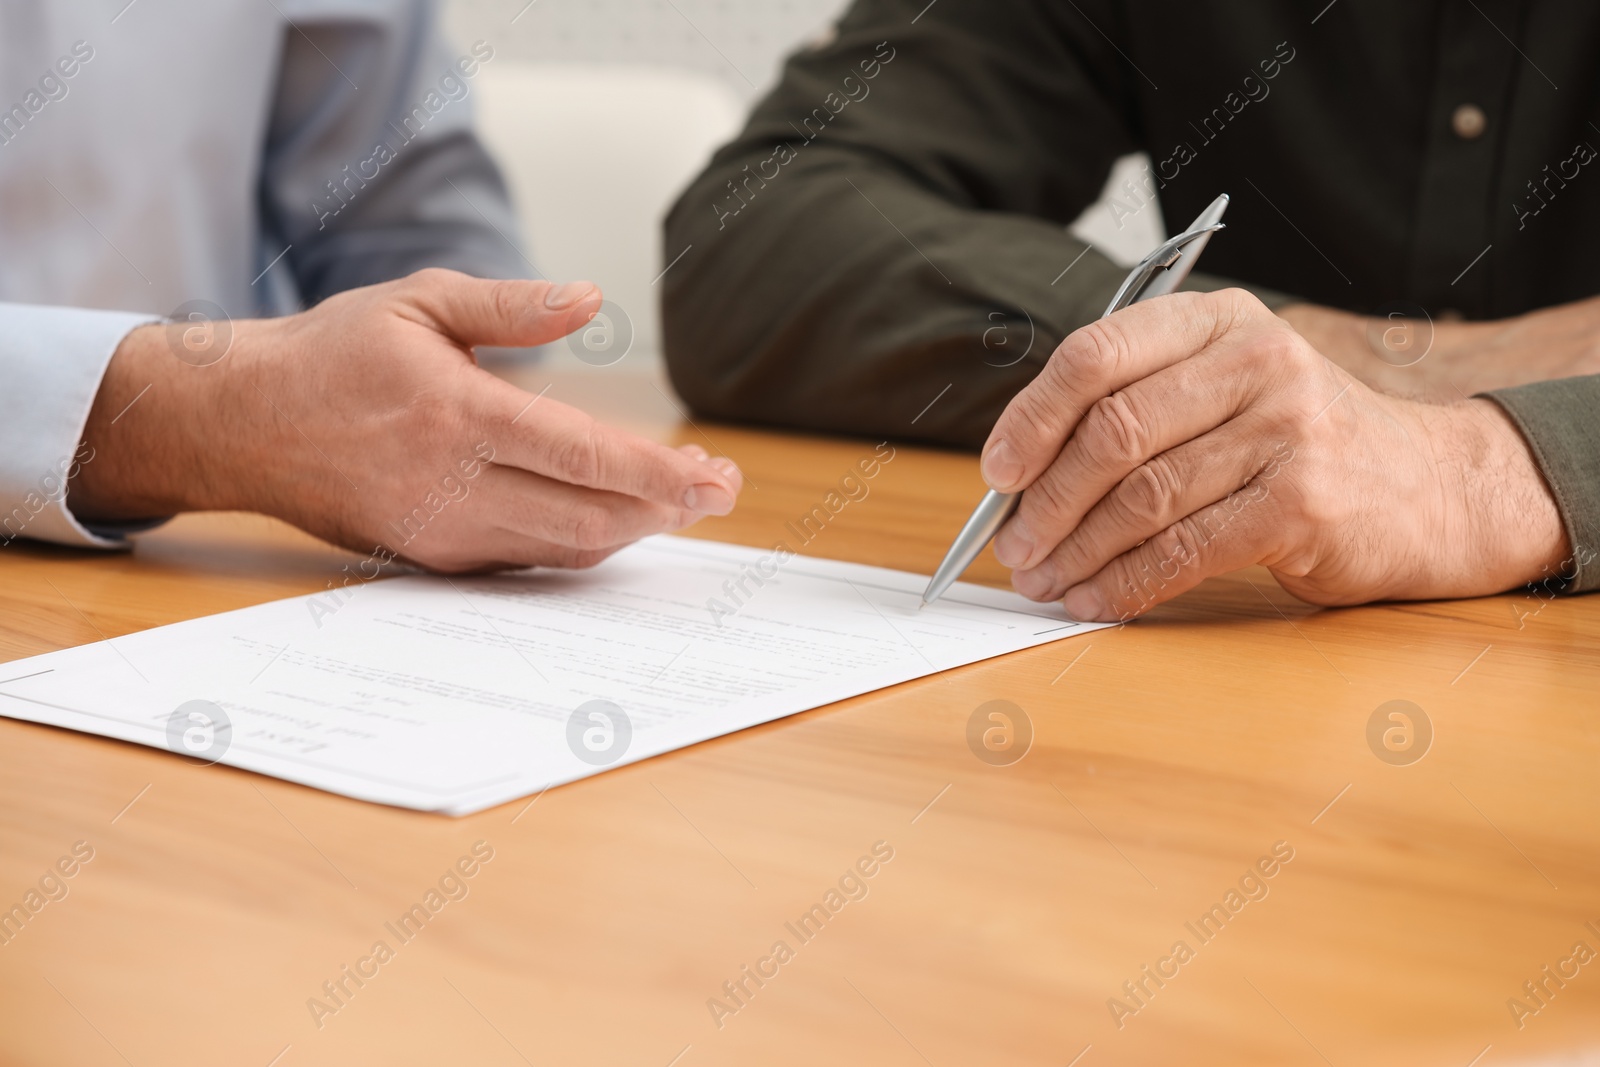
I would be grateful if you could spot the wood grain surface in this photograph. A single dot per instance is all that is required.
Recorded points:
(1168, 758)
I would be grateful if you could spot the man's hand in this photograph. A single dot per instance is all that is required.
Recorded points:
(1196, 434)
(367, 422)
(1446, 360)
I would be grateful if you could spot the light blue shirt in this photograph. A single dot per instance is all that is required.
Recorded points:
(254, 155)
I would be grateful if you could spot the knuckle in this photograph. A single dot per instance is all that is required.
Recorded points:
(1045, 500)
(1072, 560)
(1292, 375)
(1092, 353)
(1298, 357)
(507, 302)
(1181, 543)
(1026, 420)
(1149, 494)
(1131, 589)
(592, 527)
(1056, 589)
(576, 454)
(1316, 506)
(1278, 347)
(1080, 366)
(1239, 303)
(1307, 408)
(1113, 421)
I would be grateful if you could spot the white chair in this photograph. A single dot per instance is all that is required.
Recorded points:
(595, 155)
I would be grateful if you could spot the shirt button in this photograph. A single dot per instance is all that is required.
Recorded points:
(1468, 121)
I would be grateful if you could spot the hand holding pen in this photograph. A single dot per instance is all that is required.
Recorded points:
(1157, 274)
(1187, 437)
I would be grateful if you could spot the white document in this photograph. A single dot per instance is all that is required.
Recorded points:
(455, 695)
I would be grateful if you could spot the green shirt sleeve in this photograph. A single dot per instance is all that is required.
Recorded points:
(883, 250)
(1561, 421)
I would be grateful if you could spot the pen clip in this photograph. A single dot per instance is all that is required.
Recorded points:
(1164, 257)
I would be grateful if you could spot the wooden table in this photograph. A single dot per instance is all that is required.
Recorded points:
(1168, 757)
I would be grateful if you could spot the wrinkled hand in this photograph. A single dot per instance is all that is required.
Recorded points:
(1195, 434)
(367, 422)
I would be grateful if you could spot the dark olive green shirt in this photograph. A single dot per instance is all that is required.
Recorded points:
(883, 249)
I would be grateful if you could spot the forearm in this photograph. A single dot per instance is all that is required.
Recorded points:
(881, 231)
(1405, 355)
(886, 295)
(905, 293)
(1436, 358)
(884, 248)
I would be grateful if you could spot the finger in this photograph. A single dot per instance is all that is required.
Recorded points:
(721, 463)
(517, 313)
(1119, 433)
(1096, 361)
(1156, 494)
(572, 516)
(547, 437)
(730, 470)
(1211, 541)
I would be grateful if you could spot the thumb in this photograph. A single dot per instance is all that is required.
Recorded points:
(514, 313)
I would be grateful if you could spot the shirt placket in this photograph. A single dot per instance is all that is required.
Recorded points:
(1475, 65)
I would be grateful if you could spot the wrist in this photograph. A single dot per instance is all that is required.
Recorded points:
(163, 427)
(1496, 523)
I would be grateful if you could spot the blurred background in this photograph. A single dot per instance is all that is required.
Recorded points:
(601, 111)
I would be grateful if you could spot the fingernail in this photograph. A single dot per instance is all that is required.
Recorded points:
(696, 452)
(1033, 583)
(1014, 544)
(1001, 467)
(708, 499)
(1084, 603)
(567, 295)
(726, 466)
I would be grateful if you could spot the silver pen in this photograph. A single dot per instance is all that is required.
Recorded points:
(1157, 274)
